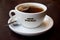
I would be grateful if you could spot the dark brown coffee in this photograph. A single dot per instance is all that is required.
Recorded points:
(31, 9)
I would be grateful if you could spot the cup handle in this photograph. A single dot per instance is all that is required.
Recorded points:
(10, 13)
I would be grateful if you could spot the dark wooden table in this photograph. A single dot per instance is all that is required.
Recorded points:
(53, 11)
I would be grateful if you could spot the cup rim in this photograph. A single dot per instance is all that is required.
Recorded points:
(31, 3)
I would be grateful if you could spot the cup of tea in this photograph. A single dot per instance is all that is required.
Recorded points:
(30, 15)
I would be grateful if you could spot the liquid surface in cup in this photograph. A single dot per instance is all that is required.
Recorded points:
(30, 9)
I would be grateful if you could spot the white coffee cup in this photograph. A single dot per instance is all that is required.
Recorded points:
(30, 20)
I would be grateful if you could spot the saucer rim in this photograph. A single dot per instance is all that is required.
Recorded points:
(33, 32)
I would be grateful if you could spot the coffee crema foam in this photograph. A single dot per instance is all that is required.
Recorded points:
(30, 9)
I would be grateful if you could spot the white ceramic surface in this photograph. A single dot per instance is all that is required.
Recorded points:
(46, 25)
(30, 20)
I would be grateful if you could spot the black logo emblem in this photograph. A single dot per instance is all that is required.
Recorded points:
(30, 20)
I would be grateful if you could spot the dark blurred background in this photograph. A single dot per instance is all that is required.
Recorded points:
(53, 11)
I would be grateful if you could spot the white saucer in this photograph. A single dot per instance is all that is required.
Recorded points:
(46, 25)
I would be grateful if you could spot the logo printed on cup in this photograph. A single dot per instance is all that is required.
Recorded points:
(30, 20)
